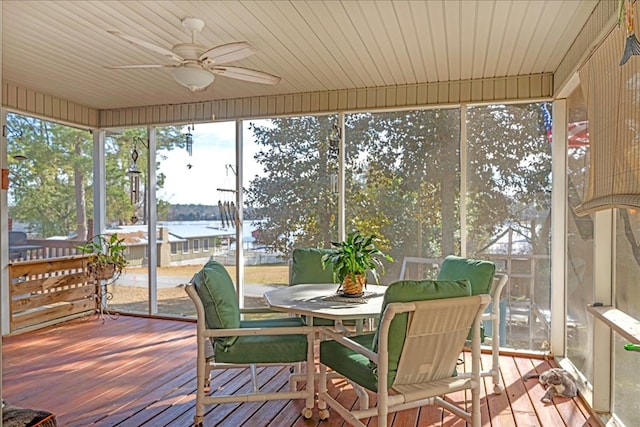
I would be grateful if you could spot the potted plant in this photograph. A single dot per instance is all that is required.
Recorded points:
(107, 256)
(352, 259)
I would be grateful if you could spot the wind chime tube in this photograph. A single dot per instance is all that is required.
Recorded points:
(189, 139)
(134, 176)
(135, 189)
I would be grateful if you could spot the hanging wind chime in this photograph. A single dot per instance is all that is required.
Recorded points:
(228, 212)
(333, 152)
(188, 139)
(134, 179)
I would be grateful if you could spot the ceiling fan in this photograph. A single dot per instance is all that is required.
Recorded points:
(196, 65)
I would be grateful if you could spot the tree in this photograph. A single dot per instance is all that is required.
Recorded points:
(43, 192)
(51, 172)
(408, 163)
(295, 198)
(403, 174)
(509, 173)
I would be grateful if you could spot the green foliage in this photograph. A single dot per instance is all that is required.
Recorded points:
(294, 198)
(402, 178)
(52, 185)
(357, 254)
(105, 250)
(45, 190)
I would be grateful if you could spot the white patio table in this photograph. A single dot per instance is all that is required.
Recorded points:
(321, 300)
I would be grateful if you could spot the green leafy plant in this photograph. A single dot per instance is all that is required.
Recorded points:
(356, 255)
(107, 254)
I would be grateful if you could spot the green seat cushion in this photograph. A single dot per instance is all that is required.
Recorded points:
(349, 363)
(478, 272)
(266, 348)
(402, 291)
(306, 266)
(218, 296)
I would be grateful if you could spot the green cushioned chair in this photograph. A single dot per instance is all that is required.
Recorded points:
(244, 343)
(478, 272)
(484, 280)
(413, 353)
(306, 267)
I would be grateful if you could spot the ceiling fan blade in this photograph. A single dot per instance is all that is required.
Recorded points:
(150, 46)
(228, 53)
(140, 66)
(246, 74)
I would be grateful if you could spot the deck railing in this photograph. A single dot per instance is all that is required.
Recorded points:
(44, 248)
(49, 290)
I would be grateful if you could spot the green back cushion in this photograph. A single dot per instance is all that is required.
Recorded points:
(306, 267)
(478, 272)
(408, 291)
(218, 295)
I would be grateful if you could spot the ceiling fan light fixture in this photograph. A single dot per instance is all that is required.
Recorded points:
(193, 78)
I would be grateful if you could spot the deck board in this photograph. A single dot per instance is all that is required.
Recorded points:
(135, 371)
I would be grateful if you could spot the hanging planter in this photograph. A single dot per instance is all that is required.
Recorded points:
(107, 257)
(97, 271)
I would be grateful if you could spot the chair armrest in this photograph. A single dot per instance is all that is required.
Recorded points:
(496, 289)
(345, 341)
(258, 310)
(232, 332)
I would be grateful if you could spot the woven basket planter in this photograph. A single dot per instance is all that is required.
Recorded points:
(100, 271)
(350, 287)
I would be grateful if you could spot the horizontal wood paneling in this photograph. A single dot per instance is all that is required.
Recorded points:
(48, 313)
(520, 88)
(45, 290)
(30, 102)
(405, 96)
(502, 89)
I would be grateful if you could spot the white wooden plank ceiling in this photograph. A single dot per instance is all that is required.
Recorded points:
(61, 48)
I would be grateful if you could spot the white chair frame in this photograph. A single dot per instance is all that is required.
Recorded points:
(499, 282)
(417, 260)
(206, 364)
(413, 394)
(497, 286)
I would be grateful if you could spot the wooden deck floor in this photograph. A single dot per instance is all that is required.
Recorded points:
(141, 372)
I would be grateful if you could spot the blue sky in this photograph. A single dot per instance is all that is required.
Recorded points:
(213, 148)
